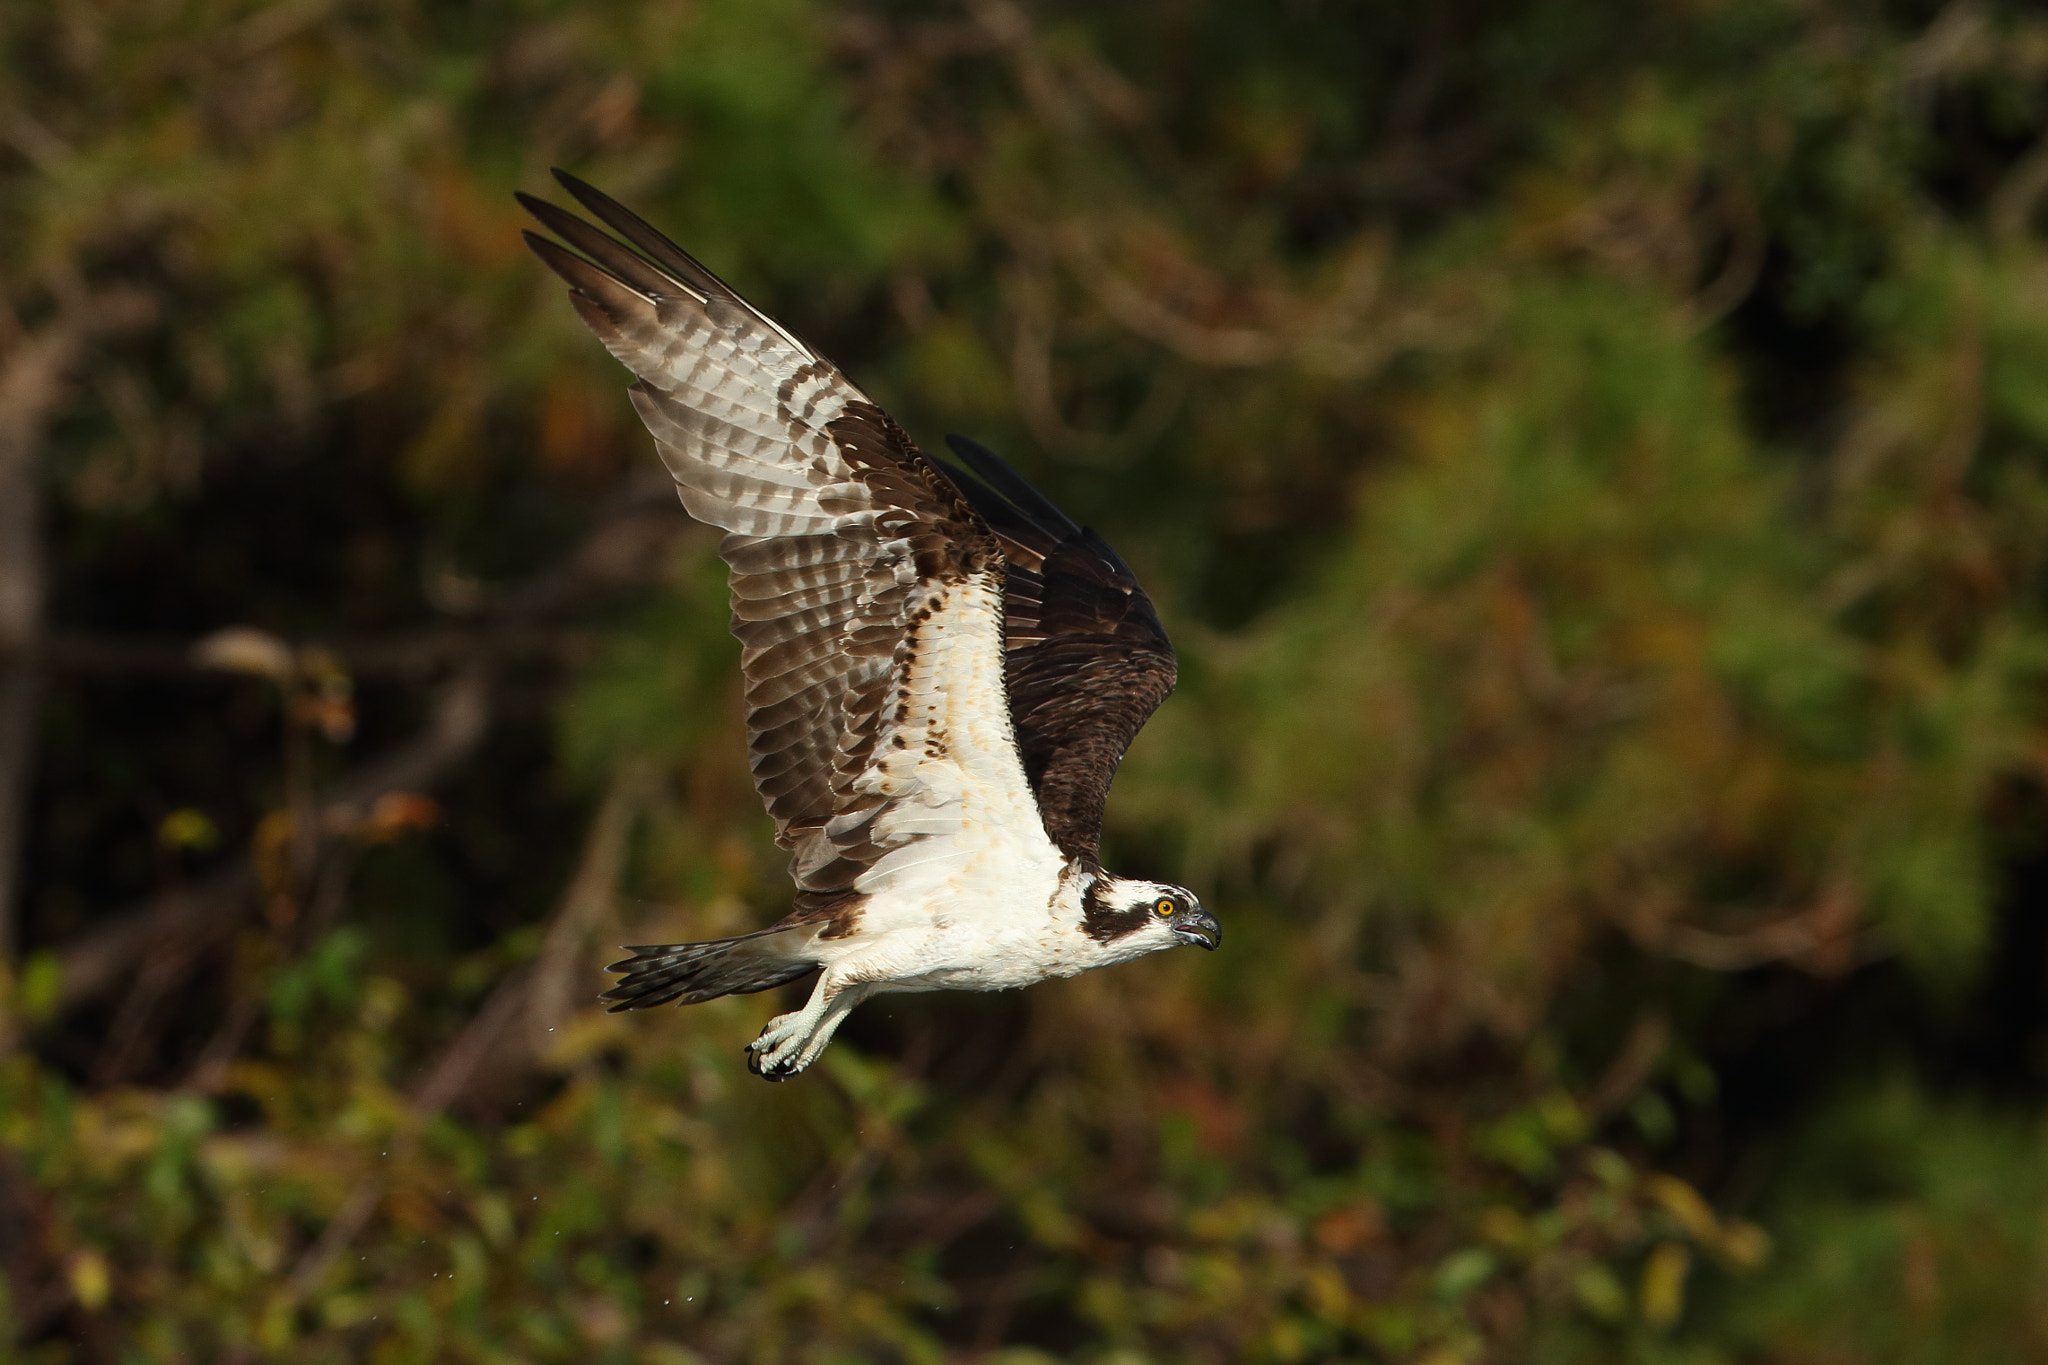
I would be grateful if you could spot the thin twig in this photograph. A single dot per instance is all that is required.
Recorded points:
(1640, 1052)
(1821, 938)
(588, 902)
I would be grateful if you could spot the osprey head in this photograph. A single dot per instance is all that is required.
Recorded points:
(1141, 917)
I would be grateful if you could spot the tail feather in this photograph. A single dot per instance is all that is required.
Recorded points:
(691, 973)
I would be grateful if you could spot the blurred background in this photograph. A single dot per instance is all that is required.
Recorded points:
(1592, 458)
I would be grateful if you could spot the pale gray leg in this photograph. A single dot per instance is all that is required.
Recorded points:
(793, 1041)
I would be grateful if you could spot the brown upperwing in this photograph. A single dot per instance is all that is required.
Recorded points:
(1086, 660)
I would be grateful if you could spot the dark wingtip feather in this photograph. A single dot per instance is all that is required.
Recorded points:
(577, 187)
(993, 470)
(574, 270)
(653, 248)
(541, 246)
(597, 201)
(615, 258)
(604, 302)
(650, 240)
(553, 217)
(610, 210)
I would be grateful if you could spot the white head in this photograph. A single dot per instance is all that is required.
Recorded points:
(1131, 918)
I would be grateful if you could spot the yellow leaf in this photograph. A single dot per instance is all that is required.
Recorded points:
(1744, 1243)
(1684, 1203)
(91, 1281)
(39, 989)
(187, 828)
(1599, 1293)
(1663, 1288)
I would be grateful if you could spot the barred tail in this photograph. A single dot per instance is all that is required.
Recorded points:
(691, 973)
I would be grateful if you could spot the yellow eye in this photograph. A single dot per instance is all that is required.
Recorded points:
(1164, 907)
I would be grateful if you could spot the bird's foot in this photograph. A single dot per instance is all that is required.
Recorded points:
(780, 1051)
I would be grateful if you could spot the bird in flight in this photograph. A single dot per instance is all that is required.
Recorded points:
(942, 671)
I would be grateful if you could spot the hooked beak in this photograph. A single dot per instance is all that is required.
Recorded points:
(1200, 928)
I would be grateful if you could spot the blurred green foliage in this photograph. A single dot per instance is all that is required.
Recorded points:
(1593, 460)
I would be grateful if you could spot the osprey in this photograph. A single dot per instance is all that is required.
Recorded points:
(942, 670)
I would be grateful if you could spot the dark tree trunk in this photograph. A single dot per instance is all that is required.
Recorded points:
(28, 382)
(34, 370)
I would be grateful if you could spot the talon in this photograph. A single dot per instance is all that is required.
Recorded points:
(777, 1054)
(767, 1069)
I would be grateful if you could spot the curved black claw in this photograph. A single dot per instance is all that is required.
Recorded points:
(773, 1073)
(769, 1073)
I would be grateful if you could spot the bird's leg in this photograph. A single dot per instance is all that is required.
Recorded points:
(793, 1041)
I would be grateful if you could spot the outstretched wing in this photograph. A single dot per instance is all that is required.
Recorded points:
(855, 564)
(1085, 658)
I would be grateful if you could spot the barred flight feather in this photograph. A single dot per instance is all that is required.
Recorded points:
(836, 520)
(941, 670)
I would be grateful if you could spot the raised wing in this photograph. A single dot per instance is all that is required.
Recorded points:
(845, 544)
(1085, 658)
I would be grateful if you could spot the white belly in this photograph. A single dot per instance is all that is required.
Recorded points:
(965, 899)
(995, 924)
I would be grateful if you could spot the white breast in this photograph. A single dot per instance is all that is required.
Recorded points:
(969, 893)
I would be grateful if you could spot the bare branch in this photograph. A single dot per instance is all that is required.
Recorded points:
(628, 546)
(1821, 938)
(403, 656)
(587, 903)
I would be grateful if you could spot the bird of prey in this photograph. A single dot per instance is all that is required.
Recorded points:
(942, 671)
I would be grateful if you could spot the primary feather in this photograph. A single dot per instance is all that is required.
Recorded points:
(942, 671)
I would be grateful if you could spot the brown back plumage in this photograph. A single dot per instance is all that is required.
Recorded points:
(835, 520)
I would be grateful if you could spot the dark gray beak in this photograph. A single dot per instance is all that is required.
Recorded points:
(1201, 928)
